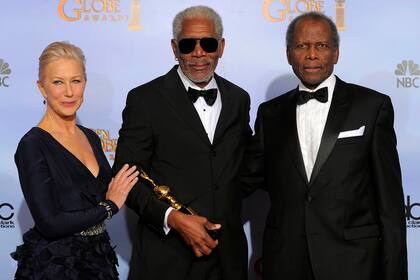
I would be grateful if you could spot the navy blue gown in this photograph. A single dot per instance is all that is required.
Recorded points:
(63, 196)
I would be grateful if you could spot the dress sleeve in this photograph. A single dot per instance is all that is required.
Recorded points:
(40, 194)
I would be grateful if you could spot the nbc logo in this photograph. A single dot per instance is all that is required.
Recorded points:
(4, 72)
(406, 73)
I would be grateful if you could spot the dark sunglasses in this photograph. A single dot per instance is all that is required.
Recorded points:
(208, 45)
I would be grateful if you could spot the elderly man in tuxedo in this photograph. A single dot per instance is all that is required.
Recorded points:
(326, 153)
(188, 129)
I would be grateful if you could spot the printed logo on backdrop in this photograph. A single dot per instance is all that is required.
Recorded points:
(6, 215)
(412, 213)
(286, 10)
(101, 11)
(407, 73)
(109, 145)
(4, 73)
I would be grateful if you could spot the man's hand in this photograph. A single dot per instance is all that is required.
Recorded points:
(193, 229)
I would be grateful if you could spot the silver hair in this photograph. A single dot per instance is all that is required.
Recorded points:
(197, 12)
(314, 16)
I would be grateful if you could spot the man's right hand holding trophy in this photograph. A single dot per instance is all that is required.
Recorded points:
(194, 229)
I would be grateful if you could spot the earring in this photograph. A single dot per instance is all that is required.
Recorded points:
(176, 58)
(44, 102)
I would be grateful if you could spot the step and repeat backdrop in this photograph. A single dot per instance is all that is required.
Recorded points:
(127, 43)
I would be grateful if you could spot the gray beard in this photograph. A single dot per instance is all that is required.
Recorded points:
(204, 80)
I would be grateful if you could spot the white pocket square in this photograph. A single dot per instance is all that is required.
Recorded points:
(352, 133)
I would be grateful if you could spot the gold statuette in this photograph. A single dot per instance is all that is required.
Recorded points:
(135, 16)
(163, 193)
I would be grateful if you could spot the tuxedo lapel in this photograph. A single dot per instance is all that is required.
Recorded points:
(292, 135)
(337, 114)
(174, 92)
(226, 111)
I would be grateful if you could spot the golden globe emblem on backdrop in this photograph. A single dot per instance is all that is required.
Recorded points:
(109, 11)
(134, 23)
(109, 145)
(286, 10)
(339, 15)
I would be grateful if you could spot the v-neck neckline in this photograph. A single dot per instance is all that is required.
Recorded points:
(71, 154)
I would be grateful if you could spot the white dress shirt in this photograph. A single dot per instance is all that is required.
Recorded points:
(310, 120)
(209, 115)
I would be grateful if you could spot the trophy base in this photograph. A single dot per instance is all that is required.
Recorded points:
(214, 234)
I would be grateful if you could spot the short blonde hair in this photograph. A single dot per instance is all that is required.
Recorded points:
(57, 50)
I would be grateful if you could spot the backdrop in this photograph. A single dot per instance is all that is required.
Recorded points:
(127, 43)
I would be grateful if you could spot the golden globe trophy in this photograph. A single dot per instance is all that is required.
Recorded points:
(163, 193)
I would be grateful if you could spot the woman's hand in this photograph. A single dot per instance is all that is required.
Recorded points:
(122, 184)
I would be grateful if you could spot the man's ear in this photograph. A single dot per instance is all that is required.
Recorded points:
(221, 47)
(336, 55)
(288, 56)
(174, 48)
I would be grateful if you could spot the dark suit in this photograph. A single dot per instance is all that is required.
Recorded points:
(347, 222)
(162, 133)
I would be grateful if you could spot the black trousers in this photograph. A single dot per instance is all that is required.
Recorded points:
(207, 267)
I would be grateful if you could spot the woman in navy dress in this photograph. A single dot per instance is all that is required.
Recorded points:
(67, 181)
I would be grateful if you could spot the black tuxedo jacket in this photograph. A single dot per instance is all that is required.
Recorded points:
(347, 221)
(162, 133)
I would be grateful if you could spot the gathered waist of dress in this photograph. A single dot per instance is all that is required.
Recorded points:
(94, 230)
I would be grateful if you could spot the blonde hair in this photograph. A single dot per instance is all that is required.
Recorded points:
(57, 50)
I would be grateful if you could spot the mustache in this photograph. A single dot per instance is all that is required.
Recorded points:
(199, 62)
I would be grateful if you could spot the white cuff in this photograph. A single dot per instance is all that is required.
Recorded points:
(166, 227)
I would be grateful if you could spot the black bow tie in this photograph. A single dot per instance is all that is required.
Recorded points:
(304, 96)
(209, 95)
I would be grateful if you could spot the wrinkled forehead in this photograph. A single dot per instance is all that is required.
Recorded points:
(309, 29)
(197, 28)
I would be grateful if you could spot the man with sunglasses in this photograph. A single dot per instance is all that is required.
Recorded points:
(188, 129)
